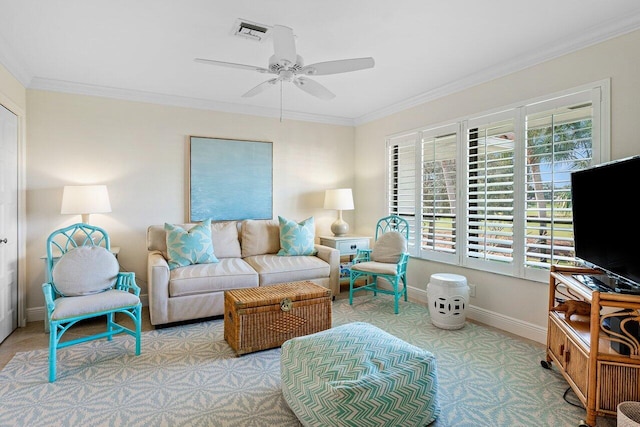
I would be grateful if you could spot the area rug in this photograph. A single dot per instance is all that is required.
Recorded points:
(188, 376)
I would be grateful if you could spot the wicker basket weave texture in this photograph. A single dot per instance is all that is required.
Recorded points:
(274, 294)
(628, 414)
(265, 317)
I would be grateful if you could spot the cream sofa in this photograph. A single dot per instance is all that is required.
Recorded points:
(246, 251)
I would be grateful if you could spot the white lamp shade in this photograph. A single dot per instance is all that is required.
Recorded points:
(85, 199)
(339, 199)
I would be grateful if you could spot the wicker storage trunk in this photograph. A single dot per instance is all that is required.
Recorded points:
(265, 317)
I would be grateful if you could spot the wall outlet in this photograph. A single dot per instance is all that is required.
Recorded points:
(472, 290)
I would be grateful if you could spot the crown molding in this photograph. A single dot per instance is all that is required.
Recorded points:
(592, 36)
(38, 83)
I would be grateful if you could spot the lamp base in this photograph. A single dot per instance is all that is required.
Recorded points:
(339, 227)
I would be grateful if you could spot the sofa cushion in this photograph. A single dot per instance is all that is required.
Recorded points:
(224, 236)
(297, 238)
(272, 268)
(260, 237)
(229, 273)
(189, 247)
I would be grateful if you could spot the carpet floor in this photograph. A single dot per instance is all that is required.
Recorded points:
(188, 376)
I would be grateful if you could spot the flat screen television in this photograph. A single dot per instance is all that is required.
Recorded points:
(606, 224)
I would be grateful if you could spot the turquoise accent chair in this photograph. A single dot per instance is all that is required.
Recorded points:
(84, 282)
(387, 260)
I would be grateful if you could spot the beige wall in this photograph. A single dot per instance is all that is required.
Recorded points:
(500, 300)
(139, 151)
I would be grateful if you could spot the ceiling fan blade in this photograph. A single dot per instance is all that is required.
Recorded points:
(232, 65)
(260, 88)
(313, 88)
(339, 66)
(284, 45)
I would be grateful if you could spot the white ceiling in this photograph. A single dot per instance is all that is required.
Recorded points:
(144, 49)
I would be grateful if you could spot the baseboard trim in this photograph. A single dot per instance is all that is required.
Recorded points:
(490, 318)
(35, 314)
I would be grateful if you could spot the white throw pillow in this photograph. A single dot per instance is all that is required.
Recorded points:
(389, 247)
(85, 270)
(224, 236)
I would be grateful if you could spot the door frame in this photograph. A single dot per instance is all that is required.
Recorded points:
(22, 223)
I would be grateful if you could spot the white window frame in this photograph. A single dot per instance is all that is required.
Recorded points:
(597, 92)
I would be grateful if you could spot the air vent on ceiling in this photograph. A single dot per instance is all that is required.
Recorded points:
(250, 30)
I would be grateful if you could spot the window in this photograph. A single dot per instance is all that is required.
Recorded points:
(490, 154)
(557, 142)
(492, 191)
(401, 191)
(438, 207)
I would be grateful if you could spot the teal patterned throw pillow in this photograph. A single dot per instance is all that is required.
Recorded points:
(189, 247)
(297, 238)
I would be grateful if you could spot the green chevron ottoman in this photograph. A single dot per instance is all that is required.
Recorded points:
(358, 375)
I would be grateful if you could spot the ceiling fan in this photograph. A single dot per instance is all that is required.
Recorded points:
(288, 66)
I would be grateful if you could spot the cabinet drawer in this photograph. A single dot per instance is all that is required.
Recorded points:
(346, 245)
(577, 368)
(556, 341)
(349, 247)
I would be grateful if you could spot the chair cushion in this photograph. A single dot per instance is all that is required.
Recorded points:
(85, 270)
(109, 300)
(389, 247)
(376, 267)
(189, 247)
(297, 238)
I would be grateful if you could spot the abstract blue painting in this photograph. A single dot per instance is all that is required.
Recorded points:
(230, 179)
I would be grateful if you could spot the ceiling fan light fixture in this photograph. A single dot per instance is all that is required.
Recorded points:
(288, 66)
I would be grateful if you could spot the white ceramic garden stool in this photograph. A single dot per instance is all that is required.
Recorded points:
(448, 296)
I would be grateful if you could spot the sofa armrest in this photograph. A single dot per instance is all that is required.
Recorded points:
(158, 287)
(332, 257)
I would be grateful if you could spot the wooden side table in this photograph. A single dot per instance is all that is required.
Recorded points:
(348, 247)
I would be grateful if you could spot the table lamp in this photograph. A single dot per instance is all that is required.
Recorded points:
(85, 200)
(340, 199)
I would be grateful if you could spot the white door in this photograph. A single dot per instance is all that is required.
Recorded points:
(8, 222)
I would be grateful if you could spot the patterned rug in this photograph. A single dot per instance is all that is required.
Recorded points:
(188, 376)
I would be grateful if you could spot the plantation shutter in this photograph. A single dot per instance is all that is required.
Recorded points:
(439, 192)
(489, 207)
(401, 178)
(558, 141)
